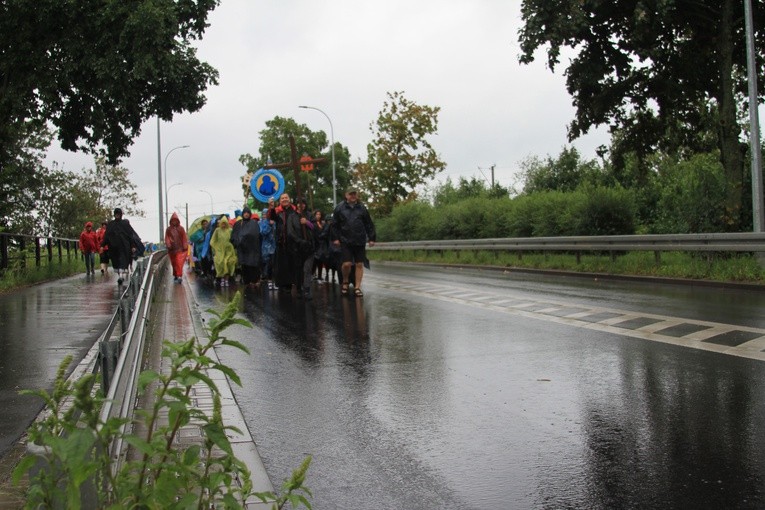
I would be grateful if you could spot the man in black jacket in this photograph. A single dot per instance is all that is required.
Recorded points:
(286, 270)
(352, 227)
(245, 237)
(122, 241)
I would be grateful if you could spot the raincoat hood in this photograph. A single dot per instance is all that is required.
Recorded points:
(253, 215)
(89, 224)
(174, 220)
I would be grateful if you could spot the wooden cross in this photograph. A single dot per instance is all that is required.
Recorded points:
(295, 163)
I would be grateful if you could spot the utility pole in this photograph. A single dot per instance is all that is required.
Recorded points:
(492, 175)
(159, 183)
(758, 219)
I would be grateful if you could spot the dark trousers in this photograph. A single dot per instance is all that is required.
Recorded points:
(250, 274)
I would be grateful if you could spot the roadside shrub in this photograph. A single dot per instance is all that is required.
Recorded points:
(590, 210)
(520, 218)
(691, 196)
(497, 222)
(597, 211)
(405, 223)
(550, 213)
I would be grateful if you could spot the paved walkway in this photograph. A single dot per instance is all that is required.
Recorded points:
(174, 317)
(39, 326)
(179, 320)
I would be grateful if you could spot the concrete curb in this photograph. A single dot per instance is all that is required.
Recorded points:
(243, 444)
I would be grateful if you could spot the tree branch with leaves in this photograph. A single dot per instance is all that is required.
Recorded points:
(400, 156)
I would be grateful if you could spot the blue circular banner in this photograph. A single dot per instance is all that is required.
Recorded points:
(266, 184)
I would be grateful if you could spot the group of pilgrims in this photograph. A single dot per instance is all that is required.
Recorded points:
(284, 247)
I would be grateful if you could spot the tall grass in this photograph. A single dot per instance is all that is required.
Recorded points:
(17, 277)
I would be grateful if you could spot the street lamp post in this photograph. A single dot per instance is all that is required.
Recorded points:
(159, 182)
(758, 219)
(332, 139)
(211, 200)
(167, 205)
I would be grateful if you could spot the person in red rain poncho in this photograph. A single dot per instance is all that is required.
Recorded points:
(89, 247)
(103, 251)
(177, 246)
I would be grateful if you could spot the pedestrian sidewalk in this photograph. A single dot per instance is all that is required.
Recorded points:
(174, 317)
(177, 319)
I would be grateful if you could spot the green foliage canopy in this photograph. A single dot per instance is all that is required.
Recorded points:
(565, 173)
(274, 147)
(74, 198)
(655, 71)
(400, 157)
(448, 193)
(21, 184)
(96, 70)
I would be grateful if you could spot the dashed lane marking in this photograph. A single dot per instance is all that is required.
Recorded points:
(717, 337)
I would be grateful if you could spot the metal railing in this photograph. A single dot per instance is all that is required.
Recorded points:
(18, 250)
(709, 243)
(120, 348)
(121, 353)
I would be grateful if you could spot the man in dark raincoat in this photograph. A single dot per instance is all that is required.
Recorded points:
(246, 239)
(352, 228)
(301, 232)
(287, 272)
(122, 241)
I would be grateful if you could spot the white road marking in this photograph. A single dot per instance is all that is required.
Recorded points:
(697, 337)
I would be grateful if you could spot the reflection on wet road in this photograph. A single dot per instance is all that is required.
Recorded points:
(432, 393)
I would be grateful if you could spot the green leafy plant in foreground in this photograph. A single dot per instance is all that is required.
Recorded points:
(160, 473)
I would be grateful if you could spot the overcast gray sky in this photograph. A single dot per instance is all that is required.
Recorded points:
(343, 56)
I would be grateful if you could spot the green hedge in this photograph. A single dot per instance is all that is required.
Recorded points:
(586, 211)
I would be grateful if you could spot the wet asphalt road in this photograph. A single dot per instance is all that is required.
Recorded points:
(39, 326)
(427, 395)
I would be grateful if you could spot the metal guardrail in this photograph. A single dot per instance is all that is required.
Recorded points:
(733, 242)
(121, 356)
(118, 360)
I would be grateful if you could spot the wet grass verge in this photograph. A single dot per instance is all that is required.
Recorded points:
(722, 267)
(17, 278)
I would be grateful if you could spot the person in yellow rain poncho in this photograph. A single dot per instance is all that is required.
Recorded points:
(224, 254)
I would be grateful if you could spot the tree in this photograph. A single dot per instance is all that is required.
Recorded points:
(690, 195)
(21, 179)
(274, 146)
(71, 199)
(96, 70)
(400, 157)
(446, 193)
(653, 70)
(566, 173)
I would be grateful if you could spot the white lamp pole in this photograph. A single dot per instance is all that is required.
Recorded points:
(159, 180)
(167, 204)
(332, 141)
(758, 213)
